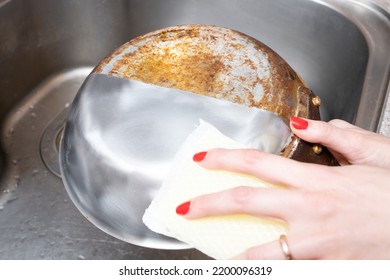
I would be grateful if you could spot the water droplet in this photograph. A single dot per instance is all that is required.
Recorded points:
(33, 115)
(34, 172)
(42, 234)
(1, 207)
(67, 105)
(42, 255)
(58, 233)
(15, 161)
(12, 198)
(17, 181)
(32, 106)
(65, 200)
(11, 131)
(80, 257)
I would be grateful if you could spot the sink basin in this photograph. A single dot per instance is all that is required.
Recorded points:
(47, 48)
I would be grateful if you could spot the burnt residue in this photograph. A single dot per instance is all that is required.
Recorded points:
(170, 59)
(196, 72)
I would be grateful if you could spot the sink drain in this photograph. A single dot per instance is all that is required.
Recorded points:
(50, 143)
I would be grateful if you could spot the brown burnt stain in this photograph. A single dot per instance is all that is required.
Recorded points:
(192, 73)
(180, 65)
(280, 87)
(169, 58)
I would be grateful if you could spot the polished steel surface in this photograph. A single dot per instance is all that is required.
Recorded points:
(340, 48)
(121, 137)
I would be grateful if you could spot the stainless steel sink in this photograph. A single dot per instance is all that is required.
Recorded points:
(47, 48)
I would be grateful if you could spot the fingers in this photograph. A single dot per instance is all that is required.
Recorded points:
(332, 136)
(346, 125)
(349, 144)
(337, 135)
(268, 251)
(271, 168)
(260, 202)
(302, 248)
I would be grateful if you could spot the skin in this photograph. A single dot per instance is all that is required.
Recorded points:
(338, 212)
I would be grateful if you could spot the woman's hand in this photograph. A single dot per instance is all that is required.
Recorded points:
(332, 212)
(348, 144)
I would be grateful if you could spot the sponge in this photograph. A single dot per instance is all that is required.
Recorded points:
(219, 237)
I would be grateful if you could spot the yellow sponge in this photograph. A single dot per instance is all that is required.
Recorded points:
(219, 237)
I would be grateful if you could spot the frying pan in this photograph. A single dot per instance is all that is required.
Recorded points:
(139, 103)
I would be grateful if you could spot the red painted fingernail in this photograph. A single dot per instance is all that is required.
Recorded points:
(199, 156)
(299, 123)
(183, 209)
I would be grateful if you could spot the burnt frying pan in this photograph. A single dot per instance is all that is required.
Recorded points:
(129, 118)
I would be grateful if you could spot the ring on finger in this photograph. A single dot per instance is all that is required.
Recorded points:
(285, 248)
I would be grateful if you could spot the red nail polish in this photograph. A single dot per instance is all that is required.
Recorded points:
(299, 123)
(199, 156)
(183, 209)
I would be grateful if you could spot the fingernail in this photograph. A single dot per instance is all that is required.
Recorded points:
(298, 123)
(199, 156)
(183, 209)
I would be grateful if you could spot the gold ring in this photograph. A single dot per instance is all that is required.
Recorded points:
(285, 248)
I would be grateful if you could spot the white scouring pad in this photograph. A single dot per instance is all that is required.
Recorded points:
(220, 237)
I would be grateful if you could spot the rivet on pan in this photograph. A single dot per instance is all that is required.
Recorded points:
(316, 100)
(317, 149)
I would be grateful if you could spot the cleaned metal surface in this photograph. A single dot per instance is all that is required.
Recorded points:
(121, 137)
(340, 48)
(38, 219)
